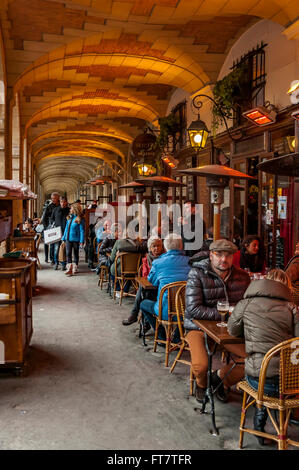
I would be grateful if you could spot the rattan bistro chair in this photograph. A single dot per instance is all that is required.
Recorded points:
(169, 290)
(180, 310)
(37, 243)
(288, 393)
(129, 265)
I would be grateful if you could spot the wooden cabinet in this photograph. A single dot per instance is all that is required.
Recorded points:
(27, 245)
(16, 326)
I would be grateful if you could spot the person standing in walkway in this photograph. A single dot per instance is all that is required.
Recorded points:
(59, 219)
(46, 221)
(74, 237)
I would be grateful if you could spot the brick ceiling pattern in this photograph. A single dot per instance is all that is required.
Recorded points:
(107, 68)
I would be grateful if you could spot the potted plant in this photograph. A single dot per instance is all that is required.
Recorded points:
(230, 92)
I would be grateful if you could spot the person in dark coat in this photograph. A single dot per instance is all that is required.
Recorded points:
(46, 221)
(59, 219)
(107, 246)
(211, 279)
(266, 317)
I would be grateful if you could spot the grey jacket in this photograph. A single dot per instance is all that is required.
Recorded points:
(265, 317)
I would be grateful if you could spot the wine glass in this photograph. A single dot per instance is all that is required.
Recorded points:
(223, 309)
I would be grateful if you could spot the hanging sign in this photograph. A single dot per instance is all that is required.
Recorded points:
(144, 147)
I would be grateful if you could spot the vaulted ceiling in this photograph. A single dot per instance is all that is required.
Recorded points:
(91, 73)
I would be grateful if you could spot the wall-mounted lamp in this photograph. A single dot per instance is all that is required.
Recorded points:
(294, 92)
(198, 131)
(145, 169)
(170, 161)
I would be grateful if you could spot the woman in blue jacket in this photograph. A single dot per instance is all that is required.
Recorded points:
(73, 237)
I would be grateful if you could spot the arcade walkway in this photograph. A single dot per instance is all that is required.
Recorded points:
(92, 385)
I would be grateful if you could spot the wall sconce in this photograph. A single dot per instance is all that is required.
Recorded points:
(198, 134)
(145, 169)
(294, 92)
(198, 131)
(291, 143)
(261, 115)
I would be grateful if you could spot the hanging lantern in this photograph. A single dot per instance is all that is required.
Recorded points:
(198, 134)
(145, 169)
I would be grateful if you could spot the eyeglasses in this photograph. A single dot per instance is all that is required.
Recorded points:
(222, 254)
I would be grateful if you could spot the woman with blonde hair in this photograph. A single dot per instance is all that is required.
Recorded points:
(265, 317)
(73, 237)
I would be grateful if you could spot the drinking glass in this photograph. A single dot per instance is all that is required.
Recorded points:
(223, 309)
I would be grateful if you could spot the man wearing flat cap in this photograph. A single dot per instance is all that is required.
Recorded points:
(211, 279)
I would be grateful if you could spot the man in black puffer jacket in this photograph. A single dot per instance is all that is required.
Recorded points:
(211, 278)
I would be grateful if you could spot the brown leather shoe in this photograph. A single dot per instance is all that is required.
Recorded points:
(130, 320)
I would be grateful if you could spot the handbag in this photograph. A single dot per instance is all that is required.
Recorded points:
(62, 252)
(52, 235)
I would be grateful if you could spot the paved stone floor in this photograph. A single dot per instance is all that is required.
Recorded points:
(91, 384)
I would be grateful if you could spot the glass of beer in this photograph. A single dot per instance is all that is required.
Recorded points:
(223, 309)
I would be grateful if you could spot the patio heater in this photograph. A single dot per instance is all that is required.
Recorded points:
(217, 178)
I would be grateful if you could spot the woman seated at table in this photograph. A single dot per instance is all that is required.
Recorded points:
(155, 249)
(251, 255)
(265, 317)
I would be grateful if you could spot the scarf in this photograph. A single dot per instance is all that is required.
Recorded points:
(150, 258)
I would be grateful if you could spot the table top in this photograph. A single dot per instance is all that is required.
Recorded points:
(219, 334)
(144, 283)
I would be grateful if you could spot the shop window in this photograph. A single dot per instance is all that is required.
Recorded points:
(179, 141)
(283, 141)
(254, 63)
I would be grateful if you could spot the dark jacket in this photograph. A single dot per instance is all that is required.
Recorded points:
(58, 217)
(47, 214)
(266, 317)
(107, 246)
(204, 289)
